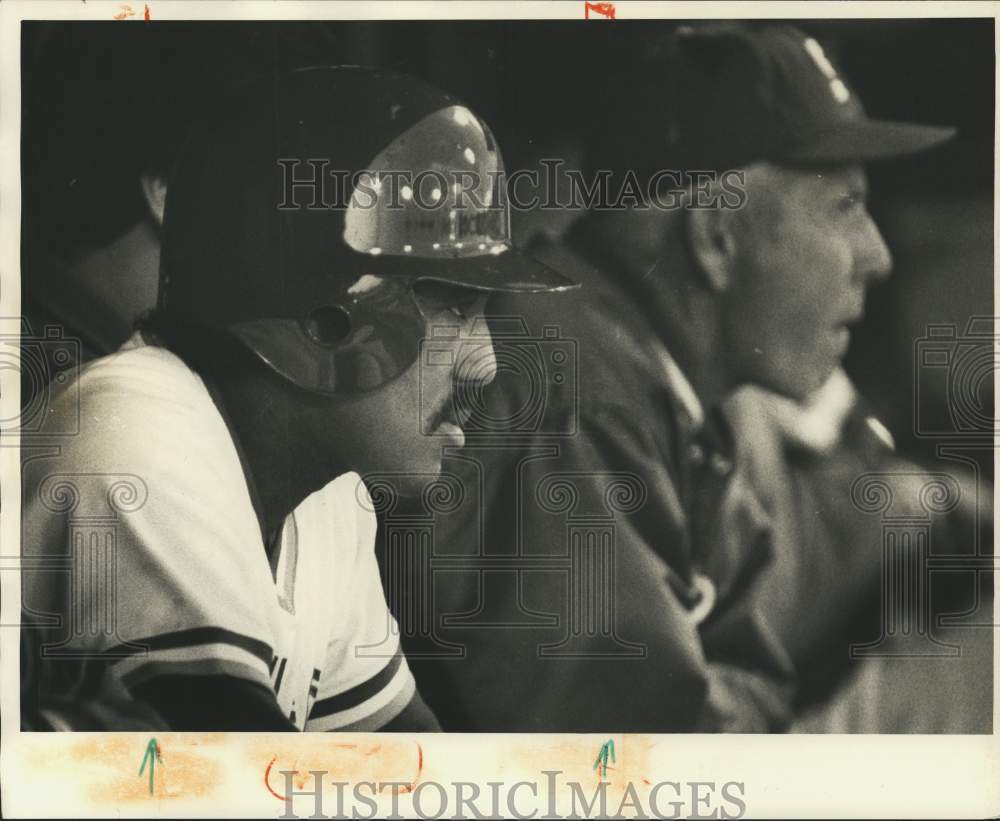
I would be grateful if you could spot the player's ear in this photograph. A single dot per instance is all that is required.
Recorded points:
(713, 247)
(154, 192)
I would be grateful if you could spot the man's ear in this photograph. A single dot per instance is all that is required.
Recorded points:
(154, 191)
(710, 238)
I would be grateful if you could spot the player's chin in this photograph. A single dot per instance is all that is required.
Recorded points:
(819, 372)
(423, 468)
(402, 484)
(799, 377)
(406, 469)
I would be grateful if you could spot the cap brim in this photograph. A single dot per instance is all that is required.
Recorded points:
(868, 139)
(511, 271)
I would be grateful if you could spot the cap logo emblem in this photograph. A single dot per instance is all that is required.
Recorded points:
(837, 87)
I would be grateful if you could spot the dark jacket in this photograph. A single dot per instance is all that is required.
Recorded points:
(591, 534)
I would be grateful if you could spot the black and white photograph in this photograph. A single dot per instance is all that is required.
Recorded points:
(613, 376)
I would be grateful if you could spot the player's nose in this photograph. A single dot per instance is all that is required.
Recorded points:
(872, 259)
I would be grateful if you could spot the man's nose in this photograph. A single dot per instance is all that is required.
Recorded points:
(873, 261)
(477, 361)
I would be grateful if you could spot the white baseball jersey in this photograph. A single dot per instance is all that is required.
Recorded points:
(158, 565)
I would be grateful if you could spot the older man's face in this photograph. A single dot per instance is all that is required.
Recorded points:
(805, 252)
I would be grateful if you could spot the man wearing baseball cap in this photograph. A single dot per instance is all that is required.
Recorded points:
(680, 308)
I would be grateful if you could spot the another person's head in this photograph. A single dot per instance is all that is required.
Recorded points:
(792, 268)
(788, 250)
(339, 227)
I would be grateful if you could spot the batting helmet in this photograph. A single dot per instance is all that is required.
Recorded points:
(302, 212)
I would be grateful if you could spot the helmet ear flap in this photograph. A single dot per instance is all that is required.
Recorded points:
(328, 325)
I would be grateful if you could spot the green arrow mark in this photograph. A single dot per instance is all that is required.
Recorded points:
(152, 755)
(607, 749)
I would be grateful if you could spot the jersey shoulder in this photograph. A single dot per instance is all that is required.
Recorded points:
(143, 413)
(154, 476)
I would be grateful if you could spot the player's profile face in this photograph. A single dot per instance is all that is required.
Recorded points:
(806, 250)
(402, 428)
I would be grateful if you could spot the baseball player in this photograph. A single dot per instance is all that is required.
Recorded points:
(661, 628)
(211, 531)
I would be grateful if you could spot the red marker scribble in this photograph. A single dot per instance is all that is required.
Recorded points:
(145, 13)
(125, 12)
(420, 768)
(408, 788)
(604, 9)
(267, 782)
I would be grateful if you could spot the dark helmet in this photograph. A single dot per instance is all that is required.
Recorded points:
(403, 186)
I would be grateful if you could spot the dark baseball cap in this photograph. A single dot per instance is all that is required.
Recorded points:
(744, 93)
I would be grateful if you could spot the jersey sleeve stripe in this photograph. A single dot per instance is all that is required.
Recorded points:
(377, 720)
(194, 637)
(360, 692)
(158, 666)
(362, 714)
